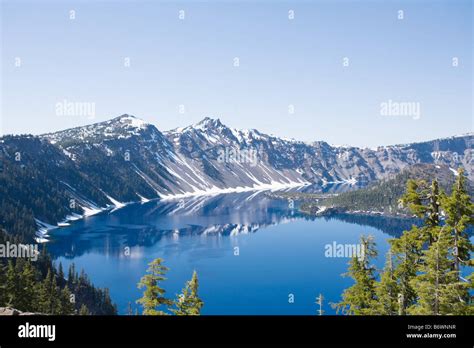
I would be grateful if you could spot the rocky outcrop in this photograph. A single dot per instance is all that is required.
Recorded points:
(13, 311)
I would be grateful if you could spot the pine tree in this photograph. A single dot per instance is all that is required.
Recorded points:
(49, 295)
(188, 302)
(153, 295)
(28, 292)
(407, 251)
(459, 211)
(60, 278)
(437, 285)
(422, 274)
(387, 290)
(412, 197)
(71, 276)
(66, 305)
(433, 206)
(359, 298)
(84, 310)
(424, 202)
(12, 285)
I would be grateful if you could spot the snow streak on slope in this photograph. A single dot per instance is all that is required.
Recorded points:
(206, 158)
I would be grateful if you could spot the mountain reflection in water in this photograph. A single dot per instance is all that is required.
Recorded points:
(250, 251)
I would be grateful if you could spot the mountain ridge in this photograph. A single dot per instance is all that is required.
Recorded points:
(209, 119)
(126, 159)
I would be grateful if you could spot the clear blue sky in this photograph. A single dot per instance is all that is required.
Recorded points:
(282, 62)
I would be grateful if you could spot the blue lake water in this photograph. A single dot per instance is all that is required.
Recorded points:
(252, 253)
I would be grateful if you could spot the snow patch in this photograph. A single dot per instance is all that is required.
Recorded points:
(143, 199)
(273, 186)
(42, 232)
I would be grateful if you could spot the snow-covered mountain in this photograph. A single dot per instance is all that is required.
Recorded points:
(126, 159)
(210, 157)
(204, 158)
